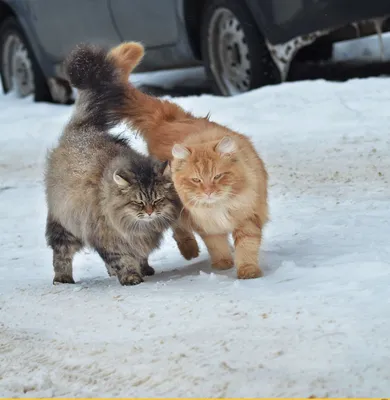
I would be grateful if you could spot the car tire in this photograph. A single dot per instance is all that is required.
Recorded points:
(234, 51)
(18, 64)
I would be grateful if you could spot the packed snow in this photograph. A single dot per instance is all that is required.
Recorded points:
(317, 324)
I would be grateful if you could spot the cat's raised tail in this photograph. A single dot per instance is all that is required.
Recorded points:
(100, 80)
(126, 57)
(153, 118)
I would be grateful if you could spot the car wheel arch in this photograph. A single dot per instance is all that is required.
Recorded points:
(5, 11)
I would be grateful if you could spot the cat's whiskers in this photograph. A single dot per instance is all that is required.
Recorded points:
(134, 227)
(161, 222)
(181, 212)
(195, 201)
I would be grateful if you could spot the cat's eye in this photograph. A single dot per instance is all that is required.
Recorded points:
(138, 203)
(158, 201)
(218, 176)
(196, 180)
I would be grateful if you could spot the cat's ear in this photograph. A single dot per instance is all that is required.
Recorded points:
(226, 146)
(166, 169)
(181, 152)
(167, 172)
(119, 180)
(163, 168)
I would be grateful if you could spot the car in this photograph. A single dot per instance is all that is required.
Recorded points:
(243, 44)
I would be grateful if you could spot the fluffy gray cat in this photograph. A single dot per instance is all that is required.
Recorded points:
(100, 192)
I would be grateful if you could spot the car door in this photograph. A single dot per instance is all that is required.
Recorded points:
(61, 24)
(152, 22)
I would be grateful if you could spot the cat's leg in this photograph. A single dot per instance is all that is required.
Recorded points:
(220, 251)
(110, 270)
(126, 266)
(64, 245)
(146, 269)
(186, 242)
(247, 240)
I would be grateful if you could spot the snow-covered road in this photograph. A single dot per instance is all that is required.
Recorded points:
(317, 324)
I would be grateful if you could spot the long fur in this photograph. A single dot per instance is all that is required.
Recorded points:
(244, 209)
(99, 190)
(102, 93)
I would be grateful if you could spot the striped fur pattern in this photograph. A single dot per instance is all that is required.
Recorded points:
(100, 192)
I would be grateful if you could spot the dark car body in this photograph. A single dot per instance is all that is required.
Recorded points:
(54, 27)
(170, 29)
(282, 20)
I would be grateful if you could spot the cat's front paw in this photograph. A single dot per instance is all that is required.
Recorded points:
(130, 279)
(223, 263)
(189, 249)
(62, 278)
(249, 271)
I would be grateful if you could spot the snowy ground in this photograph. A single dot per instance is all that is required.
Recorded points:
(316, 324)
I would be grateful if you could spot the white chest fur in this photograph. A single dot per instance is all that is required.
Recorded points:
(221, 218)
(213, 220)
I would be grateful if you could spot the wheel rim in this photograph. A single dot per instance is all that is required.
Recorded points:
(228, 53)
(17, 66)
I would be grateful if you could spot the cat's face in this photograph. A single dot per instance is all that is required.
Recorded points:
(146, 194)
(207, 174)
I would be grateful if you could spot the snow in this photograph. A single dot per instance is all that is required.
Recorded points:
(317, 324)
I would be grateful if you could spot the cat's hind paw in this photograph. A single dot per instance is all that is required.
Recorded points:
(62, 278)
(147, 270)
(249, 271)
(223, 264)
(130, 279)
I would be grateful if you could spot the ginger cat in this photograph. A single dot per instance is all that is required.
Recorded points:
(217, 173)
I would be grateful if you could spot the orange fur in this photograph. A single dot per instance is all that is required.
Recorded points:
(126, 57)
(237, 201)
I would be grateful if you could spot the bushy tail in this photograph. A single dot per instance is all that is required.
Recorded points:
(100, 80)
(146, 114)
(126, 57)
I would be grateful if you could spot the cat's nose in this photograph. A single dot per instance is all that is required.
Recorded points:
(208, 192)
(149, 210)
